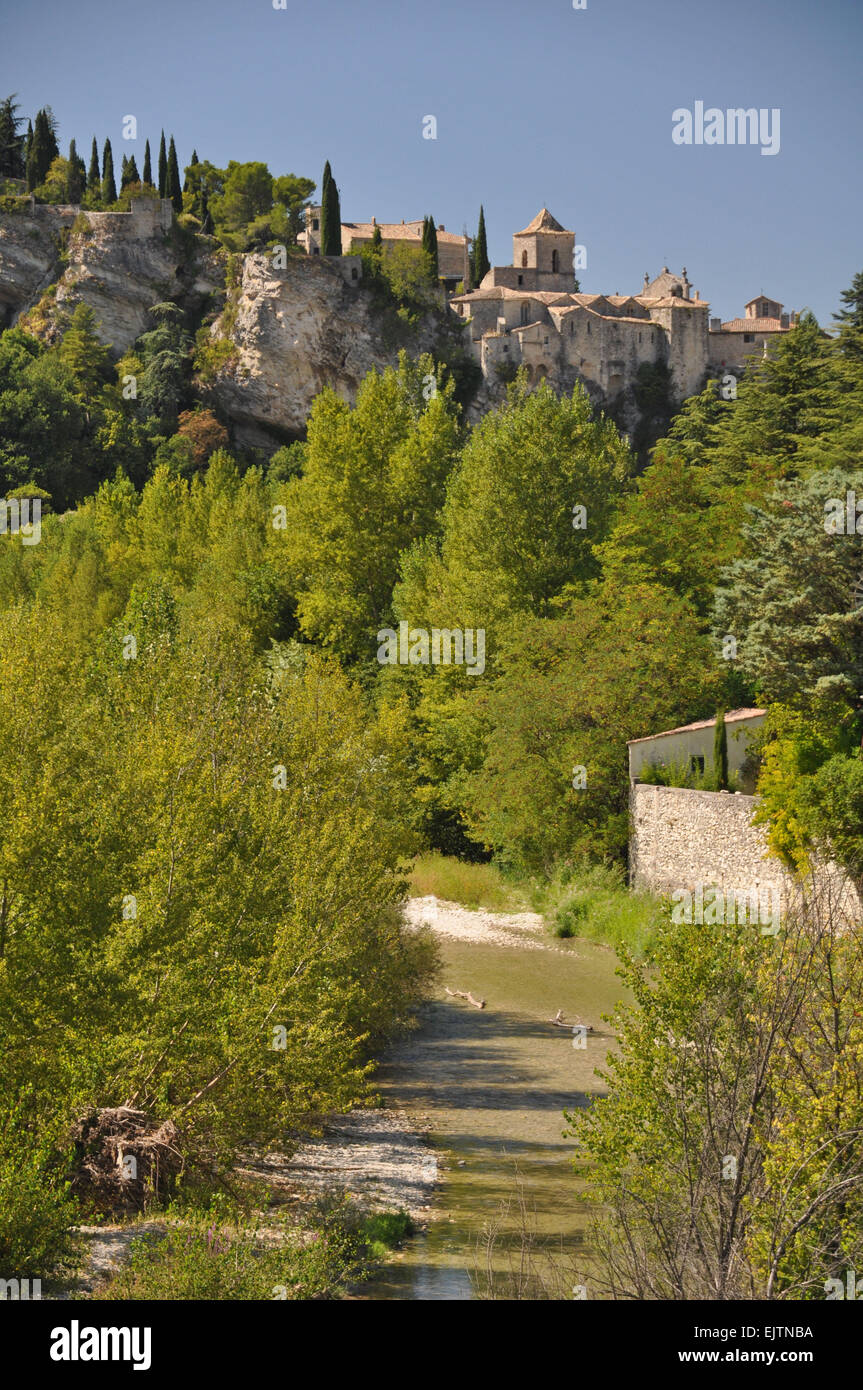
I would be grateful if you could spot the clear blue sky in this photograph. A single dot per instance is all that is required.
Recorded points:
(536, 103)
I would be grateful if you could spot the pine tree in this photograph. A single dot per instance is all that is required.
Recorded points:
(480, 264)
(331, 215)
(11, 143)
(75, 176)
(852, 298)
(720, 753)
(163, 166)
(94, 183)
(109, 187)
(148, 171)
(429, 244)
(172, 182)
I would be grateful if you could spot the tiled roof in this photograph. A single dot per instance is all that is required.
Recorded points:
(763, 296)
(399, 231)
(753, 326)
(732, 716)
(543, 222)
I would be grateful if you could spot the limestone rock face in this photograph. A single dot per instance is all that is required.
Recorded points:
(119, 264)
(296, 331)
(29, 257)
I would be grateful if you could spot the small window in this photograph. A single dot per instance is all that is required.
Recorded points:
(749, 337)
(696, 763)
(521, 279)
(315, 224)
(525, 312)
(588, 328)
(524, 258)
(354, 273)
(316, 250)
(554, 262)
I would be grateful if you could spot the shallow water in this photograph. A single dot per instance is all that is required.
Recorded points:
(492, 1086)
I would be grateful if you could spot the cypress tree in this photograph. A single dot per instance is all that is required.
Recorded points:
(148, 171)
(172, 182)
(331, 215)
(480, 264)
(43, 148)
(430, 246)
(377, 239)
(188, 167)
(163, 166)
(720, 753)
(124, 171)
(132, 175)
(109, 187)
(75, 176)
(94, 184)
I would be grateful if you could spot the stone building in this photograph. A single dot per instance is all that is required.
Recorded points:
(692, 744)
(453, 262)
(763, 322)
(530, 314)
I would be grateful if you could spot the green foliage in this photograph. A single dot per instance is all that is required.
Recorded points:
(591, 900)
(36, 1213)
(720, 753)
(163, 167)
(331, 215)
(373, 481)
(480, 264)
(743, 1046)
(109, 187)
(207, 1258)
(789, 600)
(172, 179)
(458, 881)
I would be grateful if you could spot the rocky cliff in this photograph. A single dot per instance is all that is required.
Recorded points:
(283, 335)
(296, 331)
(117, 263)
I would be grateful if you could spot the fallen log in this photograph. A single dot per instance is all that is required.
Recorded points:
(466, 994)
(559, 1023)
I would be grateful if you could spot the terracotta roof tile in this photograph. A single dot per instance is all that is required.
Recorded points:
(732, 716)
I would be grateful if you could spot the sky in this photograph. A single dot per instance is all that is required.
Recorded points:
(536, 103)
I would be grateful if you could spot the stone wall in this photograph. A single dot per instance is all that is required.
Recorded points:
(682, 839)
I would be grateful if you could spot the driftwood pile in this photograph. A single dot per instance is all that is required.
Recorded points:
(123, 1159)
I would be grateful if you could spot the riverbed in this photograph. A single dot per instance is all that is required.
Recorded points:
(490, 1087)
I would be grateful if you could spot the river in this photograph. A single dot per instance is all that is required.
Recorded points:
(491, 1086)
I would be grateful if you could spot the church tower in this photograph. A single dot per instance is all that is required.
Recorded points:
(546, 249)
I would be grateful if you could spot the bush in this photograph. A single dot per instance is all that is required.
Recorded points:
(206, 1257)
(36, 1212)
(592, 901)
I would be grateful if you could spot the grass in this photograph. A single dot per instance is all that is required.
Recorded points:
(472, 885)
(581, 899)
(592, 901)
(207, 1255)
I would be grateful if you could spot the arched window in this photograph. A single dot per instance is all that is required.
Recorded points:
(525, 312)
(524, 258)
(554, 262)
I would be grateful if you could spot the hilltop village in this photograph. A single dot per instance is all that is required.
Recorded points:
(532, 313)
